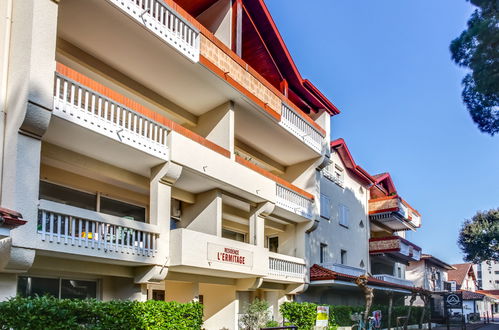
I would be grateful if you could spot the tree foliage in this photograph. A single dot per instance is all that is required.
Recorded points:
(477, 48)
(479, 237)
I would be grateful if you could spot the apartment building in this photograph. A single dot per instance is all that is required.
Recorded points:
(156, 150)
(487, 274)
(360, 233)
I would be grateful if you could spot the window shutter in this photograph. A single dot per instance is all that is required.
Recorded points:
(325, 207)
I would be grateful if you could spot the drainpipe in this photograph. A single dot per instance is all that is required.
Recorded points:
(3, 83)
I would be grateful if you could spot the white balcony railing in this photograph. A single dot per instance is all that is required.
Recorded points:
(344, 269)
(165, 23)
(294, 202)
(301, 128)
(105, 234)
(394, 279)
(281, 266)
(85, 107)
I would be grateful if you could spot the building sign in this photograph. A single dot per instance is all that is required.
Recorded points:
(229, 255)
(453, 300)
(322, 316)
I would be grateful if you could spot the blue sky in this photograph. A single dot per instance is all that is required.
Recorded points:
(386, 65)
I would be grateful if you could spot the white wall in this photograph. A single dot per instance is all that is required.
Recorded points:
(355, 238)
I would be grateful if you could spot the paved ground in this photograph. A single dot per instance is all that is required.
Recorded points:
(477, 326)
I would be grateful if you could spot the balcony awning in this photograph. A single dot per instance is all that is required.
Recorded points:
(10, 218)
(320, 274)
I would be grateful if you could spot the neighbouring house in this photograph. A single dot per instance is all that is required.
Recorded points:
(430, 273)
(358, 234)
(492, 311)
(463, 276)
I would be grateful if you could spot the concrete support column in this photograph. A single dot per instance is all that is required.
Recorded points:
(217, 126)
(8, 286)
(162, 179)
(205, 215)
(27, 69)
(257, 223)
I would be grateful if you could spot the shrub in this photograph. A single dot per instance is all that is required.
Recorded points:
(51, 313)
(303, 315)
(256, 316)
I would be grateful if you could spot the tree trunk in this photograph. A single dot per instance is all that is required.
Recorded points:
(390, 306)
(411, 302)
(361, 282)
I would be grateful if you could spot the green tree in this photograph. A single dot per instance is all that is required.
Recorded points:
(477, 48)
(479, 237)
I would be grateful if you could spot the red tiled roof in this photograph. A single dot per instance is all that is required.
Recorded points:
(491, 293)
(470, 295)
(346, 157)
(11, 218)
(319, 273)
(460, 272)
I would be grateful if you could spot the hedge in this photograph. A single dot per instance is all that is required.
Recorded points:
(303, 314)
(51, 313)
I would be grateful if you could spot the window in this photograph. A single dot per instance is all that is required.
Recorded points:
(344, 214)
(68, 196)
(158, 295)
(122, 209)
(273, 244)
(56, 287)
(325, 207)
(91, 201)
(399, 272)
(343, 256)
(240, 237)
(322, 253)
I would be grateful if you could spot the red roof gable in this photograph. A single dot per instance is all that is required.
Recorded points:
(460, 272)
(340, 146)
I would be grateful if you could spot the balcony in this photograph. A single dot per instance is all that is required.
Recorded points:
(344, 269)
(71, 230)
(286, 268)
(291, 202)
(164, 23)
(305, 130)
(294, 202)
(199, 253)
(394, 280)
(83, 118)
(392, 213)
(396, 247)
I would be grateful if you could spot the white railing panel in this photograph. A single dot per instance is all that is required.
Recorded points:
(120, 236)
(165, 23)
(85, 107)
(393, 279)
(344, 269)
(281, 267)
(294, 202)
(301, 128)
